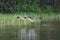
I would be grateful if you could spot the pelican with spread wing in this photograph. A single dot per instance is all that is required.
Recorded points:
(29, 20)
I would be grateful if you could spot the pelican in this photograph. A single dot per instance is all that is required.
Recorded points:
(26, 18)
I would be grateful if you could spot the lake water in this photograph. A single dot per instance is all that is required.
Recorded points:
(49, 32)
(27, 35)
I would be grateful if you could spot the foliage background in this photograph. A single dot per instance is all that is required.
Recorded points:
(39, 6)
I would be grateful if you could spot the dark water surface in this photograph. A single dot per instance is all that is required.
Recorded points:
(46, 32)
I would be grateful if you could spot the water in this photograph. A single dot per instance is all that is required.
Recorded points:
(22, 34)
(27, 35)
(48, 31)
(32, 34)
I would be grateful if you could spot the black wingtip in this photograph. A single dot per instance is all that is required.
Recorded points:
(30, 17)
(17, 17)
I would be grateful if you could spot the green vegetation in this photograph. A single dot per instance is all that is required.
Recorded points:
(38, 6)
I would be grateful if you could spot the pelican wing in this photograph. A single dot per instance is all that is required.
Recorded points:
(22, 18)
(31, 20)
